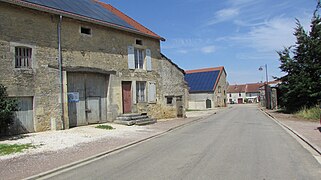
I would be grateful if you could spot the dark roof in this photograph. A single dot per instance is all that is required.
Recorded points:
(203, 80)
(244, 88)
(88, 10)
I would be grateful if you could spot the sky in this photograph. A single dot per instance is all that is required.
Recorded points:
(240, 35)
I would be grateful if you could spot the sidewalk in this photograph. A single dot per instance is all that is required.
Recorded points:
(58, 148)
(308, 130)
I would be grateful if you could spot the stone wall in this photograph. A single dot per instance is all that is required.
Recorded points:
(220, 97)
(106, 48)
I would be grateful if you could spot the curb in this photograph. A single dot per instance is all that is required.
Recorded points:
(100, 155)
(304, 139)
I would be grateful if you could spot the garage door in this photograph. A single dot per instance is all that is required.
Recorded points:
(92, 104)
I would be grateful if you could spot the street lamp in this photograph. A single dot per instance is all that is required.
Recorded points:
(266, 72)
(267, 94)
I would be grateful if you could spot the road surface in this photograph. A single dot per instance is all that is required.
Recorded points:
(237, 143)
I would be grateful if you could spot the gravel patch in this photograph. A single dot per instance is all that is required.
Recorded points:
(57, 140)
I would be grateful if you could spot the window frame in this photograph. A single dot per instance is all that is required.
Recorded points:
(87, 28)
(140, 91)
(169, 98)
(139, 58)
(23, 61)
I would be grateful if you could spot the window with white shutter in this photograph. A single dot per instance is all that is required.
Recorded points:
(148, 60)
(151, 92)
(131, 58)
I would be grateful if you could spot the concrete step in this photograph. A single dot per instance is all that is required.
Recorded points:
(142, 121)
(128, 118)
(128, 123)
(145, 121)
(130, 115)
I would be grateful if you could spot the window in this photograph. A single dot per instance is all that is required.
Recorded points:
(219, 89)
(239, 94)
(139, 58)
(84, 30)
(230, 95)
(169, 100)
(23, 57)
(139, 42)
(140, 91)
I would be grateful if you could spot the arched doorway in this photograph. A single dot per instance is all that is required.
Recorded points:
(208, 103)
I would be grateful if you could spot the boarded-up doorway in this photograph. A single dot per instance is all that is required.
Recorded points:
(92, 105)
(127, 99)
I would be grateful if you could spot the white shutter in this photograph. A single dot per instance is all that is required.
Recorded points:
(131, 58)
(148, 60)
(151, 92)
(134, 91)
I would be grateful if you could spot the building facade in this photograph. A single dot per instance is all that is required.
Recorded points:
(110, 65)
(244, 93)
(207, 88)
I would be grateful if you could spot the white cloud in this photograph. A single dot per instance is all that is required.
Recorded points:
(224, 15)
(208, 49)
(187, 45)
(273, 34)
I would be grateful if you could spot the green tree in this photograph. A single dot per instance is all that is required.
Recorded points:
(7, 108)
(301, 86)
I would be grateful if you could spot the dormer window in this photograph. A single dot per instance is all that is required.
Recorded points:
(85, 30)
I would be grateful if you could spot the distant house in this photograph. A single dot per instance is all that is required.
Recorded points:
(244, 93)
(207, 88)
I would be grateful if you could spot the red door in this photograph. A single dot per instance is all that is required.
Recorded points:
(240, 101)
(127, 97)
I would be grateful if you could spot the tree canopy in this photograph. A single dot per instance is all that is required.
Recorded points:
(301, 86)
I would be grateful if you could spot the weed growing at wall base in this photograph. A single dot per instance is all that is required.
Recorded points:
(309, 113)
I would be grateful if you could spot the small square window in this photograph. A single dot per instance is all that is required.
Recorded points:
(169, 100)
(85, 30)
(23, 57)
(139, 42)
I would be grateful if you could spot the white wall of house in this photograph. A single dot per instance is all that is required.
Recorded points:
(233, 97)
(198, 100)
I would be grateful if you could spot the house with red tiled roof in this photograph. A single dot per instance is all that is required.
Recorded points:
(72, 63)
(207, 88)
(244, 93)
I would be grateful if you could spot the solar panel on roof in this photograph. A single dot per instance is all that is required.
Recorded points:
(202, 81)
(87, 8)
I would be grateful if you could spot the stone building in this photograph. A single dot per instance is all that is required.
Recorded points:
(207, 88)
(72, 63)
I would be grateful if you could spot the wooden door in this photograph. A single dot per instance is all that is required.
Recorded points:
(240, 101)
(208, 103)
(93, 110)
(127, 97)
(24, 116)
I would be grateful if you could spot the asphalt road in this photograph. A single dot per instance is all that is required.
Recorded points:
(237, 143)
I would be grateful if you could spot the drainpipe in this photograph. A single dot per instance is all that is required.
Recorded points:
(60, 73)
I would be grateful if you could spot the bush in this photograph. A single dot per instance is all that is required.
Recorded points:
(7, 108)
(310, 113)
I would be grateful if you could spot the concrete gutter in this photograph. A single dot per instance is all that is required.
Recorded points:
(304, 139)
(88, 160)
